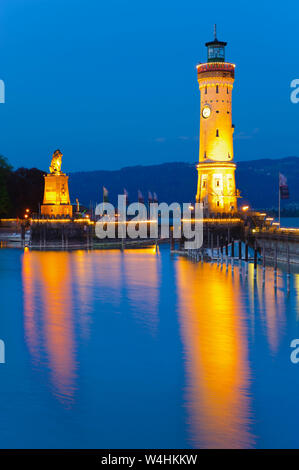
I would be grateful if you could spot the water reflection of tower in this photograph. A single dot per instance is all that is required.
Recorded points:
(214, 335)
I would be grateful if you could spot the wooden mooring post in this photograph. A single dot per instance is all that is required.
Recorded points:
(255, 259)
(275, 265)
(264, 262)
(289, 267)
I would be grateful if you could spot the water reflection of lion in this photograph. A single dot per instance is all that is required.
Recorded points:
(56, 162)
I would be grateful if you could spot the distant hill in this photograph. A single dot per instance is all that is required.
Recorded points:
(257, 180)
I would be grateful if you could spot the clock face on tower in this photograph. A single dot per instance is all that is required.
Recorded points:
(206, 111)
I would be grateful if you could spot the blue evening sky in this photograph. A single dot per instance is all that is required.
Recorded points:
(113, 83)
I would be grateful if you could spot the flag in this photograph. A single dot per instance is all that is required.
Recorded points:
(126, 196)
(140, 197)
(156, 198)
(283, 187)
(105, 194)
(150, 197)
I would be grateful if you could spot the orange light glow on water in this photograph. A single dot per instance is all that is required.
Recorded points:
(216, 347)
(30, 321)
(47, 279)
(58, 323)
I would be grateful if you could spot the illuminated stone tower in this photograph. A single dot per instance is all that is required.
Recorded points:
(56, 201)
(216, 187)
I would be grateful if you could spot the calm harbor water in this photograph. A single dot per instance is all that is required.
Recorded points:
(289, 222)
(141, 349)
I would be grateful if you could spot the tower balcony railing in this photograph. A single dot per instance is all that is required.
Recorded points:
(216, 66)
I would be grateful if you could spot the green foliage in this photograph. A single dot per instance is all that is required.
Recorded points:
(5, 172)
(19, 190)
(25, 190)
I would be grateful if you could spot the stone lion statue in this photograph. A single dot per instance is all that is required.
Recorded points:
(56, 162)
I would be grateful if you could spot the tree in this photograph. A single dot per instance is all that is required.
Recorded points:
(5, 172)
(25, 189)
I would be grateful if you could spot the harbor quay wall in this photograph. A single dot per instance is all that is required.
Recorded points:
(63, 231)
(283, 249)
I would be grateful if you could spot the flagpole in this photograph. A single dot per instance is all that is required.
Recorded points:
(278, 200)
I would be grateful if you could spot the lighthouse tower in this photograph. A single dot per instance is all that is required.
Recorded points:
(216, 187)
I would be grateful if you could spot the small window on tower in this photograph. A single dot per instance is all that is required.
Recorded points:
(205, 155)
(217, 183)
(204, 184)
(218, 203)
(227, 91)
(217, 132)
(206, 90)
(217, 89)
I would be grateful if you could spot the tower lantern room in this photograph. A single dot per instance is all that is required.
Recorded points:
(216, 49)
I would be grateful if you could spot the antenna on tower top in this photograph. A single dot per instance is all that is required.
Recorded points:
(215, 32)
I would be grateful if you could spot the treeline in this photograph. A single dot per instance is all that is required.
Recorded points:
(20, 189)
(291, 210)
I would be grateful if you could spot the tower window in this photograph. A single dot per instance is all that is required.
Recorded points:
(216, 51)
(217, 203)
(217, 111)
(204, 184)
(205, 155)
(218, 182)
(206, 90)
(227, 91)
(217, 89)
(217, 132)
